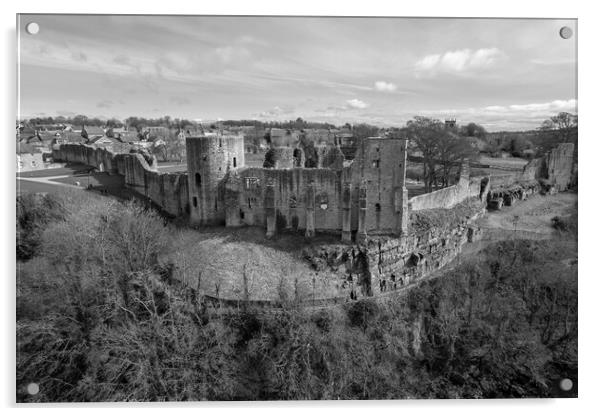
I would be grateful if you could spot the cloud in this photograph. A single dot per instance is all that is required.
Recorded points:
(355, 103)
(122, 60)
(334, 110)
(555, 106)
(80, 56)
(276, 112)
(179, 100)
(459, 61)
(384, 86)
(104, 104)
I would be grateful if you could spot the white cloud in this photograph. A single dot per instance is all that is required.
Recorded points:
(555, 106)
(513, 117)
(458, 61)
(385, 86)
(276, 112)
(355, 103)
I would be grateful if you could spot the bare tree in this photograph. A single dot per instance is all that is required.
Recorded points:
(564, 125)
(440, 147)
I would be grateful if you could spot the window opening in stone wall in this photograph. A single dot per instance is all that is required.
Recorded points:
(194, 201)
(197, 179)
(251, 183)
(242, 214)
(215, 205)
(377, 207)
(234, 162)
(249, 202)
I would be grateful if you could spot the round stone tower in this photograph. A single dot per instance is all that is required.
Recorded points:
(210, 159)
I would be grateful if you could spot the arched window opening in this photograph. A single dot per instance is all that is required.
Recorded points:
(197, 179)
(234, 162)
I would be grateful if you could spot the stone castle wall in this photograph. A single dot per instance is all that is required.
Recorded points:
(168, 190)
(248, 202)
(449, 196)
(386, 264)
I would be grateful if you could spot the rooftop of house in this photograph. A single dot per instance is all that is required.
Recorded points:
(105, 140)
(94, 130)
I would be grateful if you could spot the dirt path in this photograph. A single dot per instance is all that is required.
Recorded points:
(533, 215)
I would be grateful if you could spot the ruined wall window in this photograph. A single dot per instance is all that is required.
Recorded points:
(251, 183)
(322, 200)
(249, 202)
(242, 214)
(377, 207)
(376, 163)
(195, 202)
(197, 179)
(234, 162)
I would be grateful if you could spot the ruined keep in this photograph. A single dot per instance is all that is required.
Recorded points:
(367, 195)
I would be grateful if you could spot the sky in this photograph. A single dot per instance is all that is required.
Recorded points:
(505, 74)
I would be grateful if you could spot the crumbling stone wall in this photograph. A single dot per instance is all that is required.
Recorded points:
(246, 200)
(452, 195)
(168, 190)
(385, 264)
(557, 167)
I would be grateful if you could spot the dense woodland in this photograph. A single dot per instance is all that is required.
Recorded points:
(99, 318)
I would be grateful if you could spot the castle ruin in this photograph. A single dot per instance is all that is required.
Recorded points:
(364, 196)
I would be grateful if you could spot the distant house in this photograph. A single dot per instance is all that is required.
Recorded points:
(158, 131)
(29, 161)
(159, 142)
(72, 137)
(128, 136)
(143, 144)
(93, 131)
(105, 141)
(30, 138)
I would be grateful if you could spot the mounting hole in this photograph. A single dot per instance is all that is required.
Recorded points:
(32, 28)
(566, 32)
(33, 389)
(566, 384)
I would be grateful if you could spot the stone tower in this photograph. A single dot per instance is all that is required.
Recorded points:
(210, 160)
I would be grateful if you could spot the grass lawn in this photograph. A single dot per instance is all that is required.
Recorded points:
(69, 169)
(214, 259)
(24, 187)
